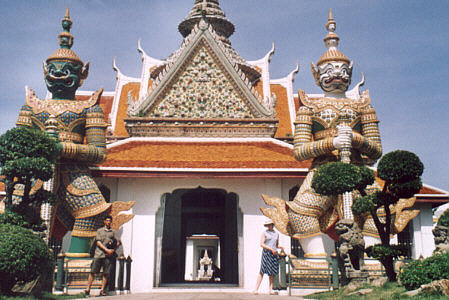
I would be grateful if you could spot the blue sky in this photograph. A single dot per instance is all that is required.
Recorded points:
(402, 47)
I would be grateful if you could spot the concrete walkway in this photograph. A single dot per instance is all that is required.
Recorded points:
(201, 294)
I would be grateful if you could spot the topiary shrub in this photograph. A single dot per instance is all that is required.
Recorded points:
(380, 252)
(13, 218)
(336, 178)
(23, 256)
(401, 170)
(420, 272)
(443, 220)
(400, 166)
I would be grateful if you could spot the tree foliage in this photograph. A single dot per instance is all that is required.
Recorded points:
(399, 166)
(401, 171)
(419, 272)
(23, 256)
(443, 220)
(26, 155)
(336, 178)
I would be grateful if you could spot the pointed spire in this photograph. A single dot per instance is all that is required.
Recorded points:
(65, 42)
(65, 37)
(214, 15)
(331, 43)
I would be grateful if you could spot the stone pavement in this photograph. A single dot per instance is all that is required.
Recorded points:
(197, 294)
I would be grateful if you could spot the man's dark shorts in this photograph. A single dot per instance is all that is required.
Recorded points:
(106, 263)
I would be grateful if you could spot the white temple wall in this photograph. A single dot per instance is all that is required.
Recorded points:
(422, 232)
(138, 235)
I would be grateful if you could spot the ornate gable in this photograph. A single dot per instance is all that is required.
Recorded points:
(201, 92)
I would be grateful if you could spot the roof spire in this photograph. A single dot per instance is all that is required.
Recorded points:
(214, 15)
(331, 43)
(66, 25)
(65, 42)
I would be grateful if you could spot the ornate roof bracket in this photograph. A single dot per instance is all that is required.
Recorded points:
(121, 81)
(148, 63)
(264, 64)
(287, 82)
(355, 92)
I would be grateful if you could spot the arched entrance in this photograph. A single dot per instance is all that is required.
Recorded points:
(190, 222)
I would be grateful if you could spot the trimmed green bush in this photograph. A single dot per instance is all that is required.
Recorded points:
(13, 218)
(406, 189)
(443, 220)
(367, 177)
(420, 272)
(381, 252)
(363, 204)
(336, 178)
(399, 166)
(23, 256)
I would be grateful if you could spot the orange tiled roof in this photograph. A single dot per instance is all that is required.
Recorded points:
(122, 111)
(296, 100)
(105, 103)
(282, 111)
(259, 87)
(429, 191)
(201, 154)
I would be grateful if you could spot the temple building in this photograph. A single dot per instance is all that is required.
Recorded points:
(195, 141)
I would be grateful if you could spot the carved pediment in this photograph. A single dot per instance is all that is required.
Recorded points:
(202, 89)
(201, 83)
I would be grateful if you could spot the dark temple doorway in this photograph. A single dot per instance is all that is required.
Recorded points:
(193, 221)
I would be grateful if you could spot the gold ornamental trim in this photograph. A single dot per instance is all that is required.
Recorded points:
(65, 136)
(63, 54)
(77, 255)
(92, 210)
(75, 191)
(57, 107)
(330, 132)
(320, 103)
(95, 122)
(299, 236)
(83, 233)
(332, 55)
(36, 186)
(278, 214)
(315, 255)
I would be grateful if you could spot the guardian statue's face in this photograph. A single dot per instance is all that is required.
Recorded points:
(335, 77)
(62, 79)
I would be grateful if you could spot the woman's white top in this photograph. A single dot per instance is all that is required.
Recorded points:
(271, 238)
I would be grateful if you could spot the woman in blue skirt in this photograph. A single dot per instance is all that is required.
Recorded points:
(269, 241)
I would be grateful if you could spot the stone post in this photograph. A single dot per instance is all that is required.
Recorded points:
(60, 272)
(282, 272)
(121, 265)
(111, 278)
(128, 274)
(334, 263)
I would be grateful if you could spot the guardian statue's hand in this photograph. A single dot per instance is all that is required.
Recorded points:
(344, 137)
